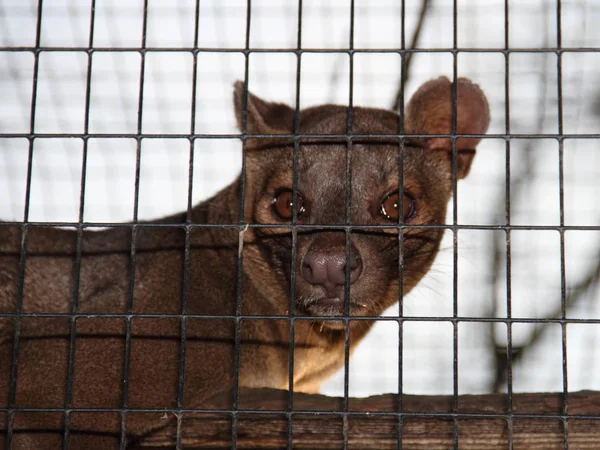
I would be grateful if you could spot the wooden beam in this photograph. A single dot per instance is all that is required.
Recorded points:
(480, 422)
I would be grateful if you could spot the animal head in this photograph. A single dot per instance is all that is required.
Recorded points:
(344, 199)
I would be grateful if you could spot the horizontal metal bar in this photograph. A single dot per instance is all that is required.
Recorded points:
(293, 137)
(306, 227)
(238, 411)
(291, 318)
(296, 51)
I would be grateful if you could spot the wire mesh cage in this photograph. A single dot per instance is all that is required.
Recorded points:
(116, 114)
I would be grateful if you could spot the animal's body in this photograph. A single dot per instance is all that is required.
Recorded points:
(145, 276)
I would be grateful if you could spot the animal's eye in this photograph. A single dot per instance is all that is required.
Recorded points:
(390, 206)
(283, 204)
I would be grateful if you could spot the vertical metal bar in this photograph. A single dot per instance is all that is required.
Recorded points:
(561, 181)
(400, 102)
(241, 227)
(347, 221)
(188, 229)
(507, 182)
(80, 228)
(455, 227)
(24, 229)
(134, 230)
(294, 229)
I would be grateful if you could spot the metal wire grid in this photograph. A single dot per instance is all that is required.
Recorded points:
(404, 53)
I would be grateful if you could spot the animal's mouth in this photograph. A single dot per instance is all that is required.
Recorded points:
(331, 306)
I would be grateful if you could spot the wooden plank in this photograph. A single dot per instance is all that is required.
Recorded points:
(427, 422)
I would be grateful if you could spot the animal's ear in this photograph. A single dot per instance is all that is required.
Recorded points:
(431, 111)
(262, 117)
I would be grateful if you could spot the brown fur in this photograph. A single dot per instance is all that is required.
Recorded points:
(100, 280)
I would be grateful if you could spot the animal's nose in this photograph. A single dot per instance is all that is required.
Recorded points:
(329, 268)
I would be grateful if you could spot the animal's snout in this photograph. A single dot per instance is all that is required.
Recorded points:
(328, 268)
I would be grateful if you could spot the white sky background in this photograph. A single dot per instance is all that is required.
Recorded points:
(427, 346)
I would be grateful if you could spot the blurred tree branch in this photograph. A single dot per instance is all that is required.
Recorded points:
(336, 73)
(516, 185)
(577, 293)
(506, 357)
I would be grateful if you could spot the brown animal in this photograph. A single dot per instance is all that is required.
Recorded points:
(172, 285)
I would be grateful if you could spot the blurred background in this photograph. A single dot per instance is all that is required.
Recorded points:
(538, 61)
